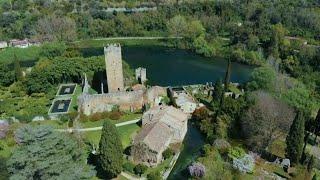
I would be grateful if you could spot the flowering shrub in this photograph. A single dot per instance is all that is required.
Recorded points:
(197, 170)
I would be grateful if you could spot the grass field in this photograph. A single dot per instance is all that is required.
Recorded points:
(126, 134)
(23, 54)
(124, 118)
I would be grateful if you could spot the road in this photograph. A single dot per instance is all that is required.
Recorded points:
(99, 127)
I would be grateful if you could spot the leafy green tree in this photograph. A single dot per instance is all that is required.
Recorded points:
(167, 153)
(7, 76)
(46, 154)
(295, 138)
(17, 69)
(218, 89)
(140, 169)
(262, 78)
(177, 26)
(110, 149)
(154, 175)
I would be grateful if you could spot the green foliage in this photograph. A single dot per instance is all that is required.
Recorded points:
(140, 169)
(110, 149)
(295, 138)
(215, 165)
(17, 69)
(301, 98)
(7, 76)
(60, 69)
(128, 166)
(262, 78)
(23, 54)
(236, 152)
(22, 106)
(52, 50)
(167, 153)
(154, 175)
(54, 154)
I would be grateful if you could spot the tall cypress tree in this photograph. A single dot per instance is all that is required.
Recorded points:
(295, 138)
(110, 149)
(17, 69)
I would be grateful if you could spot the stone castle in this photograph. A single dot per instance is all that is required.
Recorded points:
(113, 60)
(117, 96)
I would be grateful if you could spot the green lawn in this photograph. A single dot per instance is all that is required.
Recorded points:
(126, 133)
(23, 54)
(74, 106)
(124, 118)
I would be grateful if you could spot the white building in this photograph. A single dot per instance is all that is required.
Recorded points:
(3, 44)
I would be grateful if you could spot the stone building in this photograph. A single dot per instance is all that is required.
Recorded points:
(113, 60)
(136, 99)
(89, 104)
(161, 126)
(141, 75)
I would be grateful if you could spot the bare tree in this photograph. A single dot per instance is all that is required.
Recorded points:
(54, 28)
(266, 121)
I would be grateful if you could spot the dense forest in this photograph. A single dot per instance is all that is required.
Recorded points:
(280, 39)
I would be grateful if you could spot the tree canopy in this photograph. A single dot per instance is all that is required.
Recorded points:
(110, 149)
(46, 154)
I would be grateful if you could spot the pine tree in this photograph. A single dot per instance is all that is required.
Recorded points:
(110, 149)
(295, 138)
(47, 154)
(17, 69)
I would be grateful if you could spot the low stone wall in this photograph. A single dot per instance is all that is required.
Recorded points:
(90, 104)
(132, 100)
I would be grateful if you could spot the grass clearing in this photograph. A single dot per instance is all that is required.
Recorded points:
(23, 54)
(124, 118)
(74, 102)
(126, 133)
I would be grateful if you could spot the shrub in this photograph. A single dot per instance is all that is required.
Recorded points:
(154, 176)
(236, 152)
(167, 153)
(128, 166)
(197, 170)
(140, 169)
(64, 118)
(115, 115)
(4, 128)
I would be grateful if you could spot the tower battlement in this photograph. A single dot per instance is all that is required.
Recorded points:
(113, 60)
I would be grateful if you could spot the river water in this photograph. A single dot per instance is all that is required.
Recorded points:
(172, 67)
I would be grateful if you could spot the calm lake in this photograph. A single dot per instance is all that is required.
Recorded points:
(173, 67)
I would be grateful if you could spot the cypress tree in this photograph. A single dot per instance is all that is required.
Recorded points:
(110, 149)
(17, 69)
(295, 138)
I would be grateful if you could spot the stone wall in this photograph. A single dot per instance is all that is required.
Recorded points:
(132, 100)
(90, 104)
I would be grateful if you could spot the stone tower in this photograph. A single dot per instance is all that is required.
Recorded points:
(114, 70)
